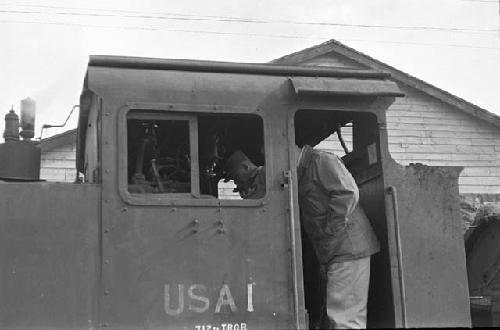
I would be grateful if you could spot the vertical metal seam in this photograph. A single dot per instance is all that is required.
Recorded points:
(288, 176)
(392, 191)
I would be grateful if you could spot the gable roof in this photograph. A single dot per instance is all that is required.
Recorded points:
(52, 142)
(396, 75)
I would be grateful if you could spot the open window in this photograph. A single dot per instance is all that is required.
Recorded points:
(184, 153)
(159, 153)
(353, 136)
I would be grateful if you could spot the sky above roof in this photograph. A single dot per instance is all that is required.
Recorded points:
(452, 44)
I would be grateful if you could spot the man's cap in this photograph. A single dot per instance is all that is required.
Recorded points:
(237, 158)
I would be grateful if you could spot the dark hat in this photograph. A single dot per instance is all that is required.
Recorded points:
(237, 158)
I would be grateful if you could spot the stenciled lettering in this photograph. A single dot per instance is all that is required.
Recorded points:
(198, 301)
(222, 326)
(250, 297)
(204, 300)
(225, 298)
(180, 300)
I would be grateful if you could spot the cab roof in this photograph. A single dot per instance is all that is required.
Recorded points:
(147, 79)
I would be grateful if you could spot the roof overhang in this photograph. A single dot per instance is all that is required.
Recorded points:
(353, 87)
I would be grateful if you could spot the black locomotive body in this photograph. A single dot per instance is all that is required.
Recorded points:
(154, 239)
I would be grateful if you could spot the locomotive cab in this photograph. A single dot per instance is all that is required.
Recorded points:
(172, 220)
(165, 242)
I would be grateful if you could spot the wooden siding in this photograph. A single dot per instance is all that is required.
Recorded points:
(58, 164)
(424, 130)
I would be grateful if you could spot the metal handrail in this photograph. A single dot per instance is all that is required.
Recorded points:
(393, 192)
(289, 185)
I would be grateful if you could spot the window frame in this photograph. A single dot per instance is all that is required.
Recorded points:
(177, 112)
(193, 139)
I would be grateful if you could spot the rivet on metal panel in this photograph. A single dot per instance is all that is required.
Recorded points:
(215, 107)
(220, 222)
(263, 210)
(173, 209)
(124, 209)
(107, 171)
(106, 114)
(106, 201)
(219, 209)
(196, 221)
(107, 293)
(194, 230)
(221, 230)
(106, 230)
(105, 325)
(106, 262)
(106, 142)
(171, 106)
(263, 203)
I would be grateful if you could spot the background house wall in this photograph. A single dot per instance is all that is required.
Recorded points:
(428, 126)
(58, 159)
(424, 129)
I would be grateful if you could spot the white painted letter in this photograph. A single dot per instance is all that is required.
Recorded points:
(180, 305)
(250, 297)
(225, 298)
(204, 300)
(243, 326)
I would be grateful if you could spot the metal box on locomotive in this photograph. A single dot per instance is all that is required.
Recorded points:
(153, 239)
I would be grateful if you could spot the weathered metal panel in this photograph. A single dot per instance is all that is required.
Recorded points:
(185, 263)
(166, 271)
(48, 255)
(427, 248)
(19, 160)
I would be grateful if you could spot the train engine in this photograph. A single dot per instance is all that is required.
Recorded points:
(155, 237)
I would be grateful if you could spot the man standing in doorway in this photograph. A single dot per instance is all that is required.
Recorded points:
(340, 233)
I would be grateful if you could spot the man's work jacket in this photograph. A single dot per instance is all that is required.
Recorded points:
(334, 222)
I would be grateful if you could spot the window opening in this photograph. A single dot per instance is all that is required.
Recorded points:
(220, 135)
(185, 153)
(321, 130)
(159, 156)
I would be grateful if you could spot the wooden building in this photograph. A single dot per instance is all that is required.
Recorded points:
(428, 125)
(58, 161)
